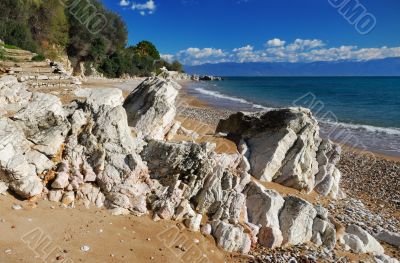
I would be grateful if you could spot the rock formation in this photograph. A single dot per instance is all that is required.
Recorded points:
(284, 146)
(85, 150)
(151, 107)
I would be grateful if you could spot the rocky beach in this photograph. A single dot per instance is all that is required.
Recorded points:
(117, 170)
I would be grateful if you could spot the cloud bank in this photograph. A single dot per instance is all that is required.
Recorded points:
(277, 50)
(146, 8)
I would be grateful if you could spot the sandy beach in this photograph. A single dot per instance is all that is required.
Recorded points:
(370, 177)
(140, 239)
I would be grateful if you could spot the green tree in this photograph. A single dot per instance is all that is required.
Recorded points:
(147, 49)
(176, 66)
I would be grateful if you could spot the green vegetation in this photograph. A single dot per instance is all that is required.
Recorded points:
(67, 27)
(2, 56)
(38, 58)
(10, 46)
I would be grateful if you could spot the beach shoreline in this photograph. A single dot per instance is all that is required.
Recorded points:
(370, 177)
(197, 102)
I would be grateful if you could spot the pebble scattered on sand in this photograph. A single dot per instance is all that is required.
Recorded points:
(205, 115)
(16, 207)
(85, 248)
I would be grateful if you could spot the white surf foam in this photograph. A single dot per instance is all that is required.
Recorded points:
(219, 95)
(364, 127)
(358, 127)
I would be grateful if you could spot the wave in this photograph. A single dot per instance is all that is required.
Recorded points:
(219, 95)
(364, 127)
(358, 127)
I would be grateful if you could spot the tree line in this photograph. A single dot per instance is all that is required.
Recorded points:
(57, 27)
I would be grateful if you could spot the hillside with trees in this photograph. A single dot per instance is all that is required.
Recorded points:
(83, 30)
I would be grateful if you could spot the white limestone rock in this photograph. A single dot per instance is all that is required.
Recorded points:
(44, 122)
(263, 205)
(324, 233)
(231, 238)
(95, 97)
(193, 223)
(270, 237)
(151, 107)
(61, 181)
(13, 95)
(328, 176)
(55, 195)
(91, 194)
(352, 242)
(68, 198)
(370, 244)
(206, 229)
(296, 220)
(282, 147)
(15, 170)
(389, 237)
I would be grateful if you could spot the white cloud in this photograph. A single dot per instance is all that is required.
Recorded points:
(300, 50)
(195, 56)
(247, 48)
(167, 57)
(276, 42)
(202, 53)
(146, 8)
(303, 44)
(124, 3)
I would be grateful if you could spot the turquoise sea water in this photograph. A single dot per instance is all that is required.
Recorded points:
(361, 111)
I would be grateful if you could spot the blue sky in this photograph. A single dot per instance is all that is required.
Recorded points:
(201, 31)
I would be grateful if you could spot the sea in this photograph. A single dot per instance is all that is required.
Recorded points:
(361, 112)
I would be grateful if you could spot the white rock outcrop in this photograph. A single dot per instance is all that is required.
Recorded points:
(263, 205)
(296, 220)
(284, 147)
(389, 237)
(369, 244)
(151, 107)
(85, 151)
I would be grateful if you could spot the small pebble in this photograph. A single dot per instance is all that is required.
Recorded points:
(8, 251)
(16, 207)
(85, 248)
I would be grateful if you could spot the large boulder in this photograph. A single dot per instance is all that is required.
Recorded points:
(231, 238)
(296, 221)
(324, 233)
(151, 107)
(369, 243)
(263, 205)
(328, 177)
(101, 97)
(389, 237)
(16, 171)
(13, 95)
(191, 177)
(284, 147)
(29, 140)
(101, 148)
(44, 122)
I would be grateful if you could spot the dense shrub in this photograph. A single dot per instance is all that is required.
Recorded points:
(38, 58)
(51, 27)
